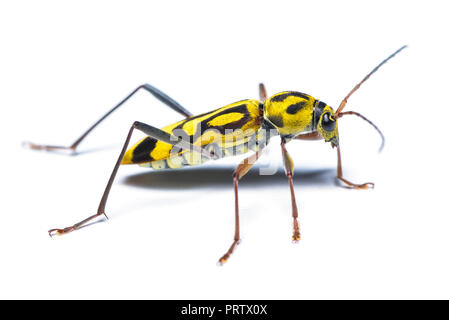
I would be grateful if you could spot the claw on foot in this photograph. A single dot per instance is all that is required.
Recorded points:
(226, 256)
(27, 144)
(33, 146)
(59, 232)
(222, 260)
(76, 226)
(351, 185)
(296, 234)
(296, 237)
(363, 186)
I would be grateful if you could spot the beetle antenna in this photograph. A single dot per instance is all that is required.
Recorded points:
(341, 114)
(345, 100)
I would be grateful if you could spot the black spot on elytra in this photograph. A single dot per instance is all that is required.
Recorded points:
(142, 152)
(294, 108)
(277, 121)
(282, 97)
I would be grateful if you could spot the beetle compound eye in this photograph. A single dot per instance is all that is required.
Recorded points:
(327, 123)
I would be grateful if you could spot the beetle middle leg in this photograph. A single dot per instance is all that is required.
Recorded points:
(241, 170)
(289, 169)
(152, 132)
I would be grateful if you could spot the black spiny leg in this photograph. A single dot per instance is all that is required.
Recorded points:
(154, 91)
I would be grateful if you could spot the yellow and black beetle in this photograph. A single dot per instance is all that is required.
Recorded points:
(237, 128)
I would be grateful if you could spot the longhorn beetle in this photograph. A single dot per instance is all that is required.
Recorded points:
(237, 128)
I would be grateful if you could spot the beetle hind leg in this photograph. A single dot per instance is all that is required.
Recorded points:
(152, 132)
(161, 96)
(76, 226)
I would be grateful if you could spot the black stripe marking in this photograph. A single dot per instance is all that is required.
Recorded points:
(203, 125)
(294, 108)
(282, 97)
(267, 125)
(181, 133)
(242, 109)
(277, 121)
(318, 112)
(321, 105)
(142, 152)
(314, 121)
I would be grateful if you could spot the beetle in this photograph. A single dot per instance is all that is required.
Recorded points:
(238, 128)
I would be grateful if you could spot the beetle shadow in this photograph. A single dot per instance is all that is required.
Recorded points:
(195, 178)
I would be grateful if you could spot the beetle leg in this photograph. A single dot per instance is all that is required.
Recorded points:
(289, 169)
(241, 170)
(153, 133)
(349, 183)
(262, 92)
(154, 91)
(315, 135)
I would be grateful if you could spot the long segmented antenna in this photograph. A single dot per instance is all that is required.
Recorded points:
(345, 100)
(367, 120)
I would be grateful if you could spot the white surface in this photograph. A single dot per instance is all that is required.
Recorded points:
(63, 65)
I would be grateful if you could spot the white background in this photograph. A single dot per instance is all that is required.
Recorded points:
(63, 64)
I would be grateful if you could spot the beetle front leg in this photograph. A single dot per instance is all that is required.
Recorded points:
(349, 184)
(289, 169)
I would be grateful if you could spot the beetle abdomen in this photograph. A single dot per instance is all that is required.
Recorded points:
(230, 149)
(231, 126)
